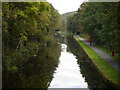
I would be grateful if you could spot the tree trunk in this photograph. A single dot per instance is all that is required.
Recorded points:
(18, 43)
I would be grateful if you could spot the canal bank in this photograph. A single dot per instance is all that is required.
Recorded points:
(107, 71)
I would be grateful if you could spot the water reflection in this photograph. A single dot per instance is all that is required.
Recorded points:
(36, 71)
(94, 79)
(67, 74)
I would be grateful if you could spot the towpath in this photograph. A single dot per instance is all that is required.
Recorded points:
(105, 56)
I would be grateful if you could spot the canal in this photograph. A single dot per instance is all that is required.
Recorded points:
(56, 65)
(76, 71)
(68, 73)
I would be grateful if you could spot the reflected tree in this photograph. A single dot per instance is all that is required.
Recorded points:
(94, 79)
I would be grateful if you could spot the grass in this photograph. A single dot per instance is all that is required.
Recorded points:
(116, 57)
(106, 69)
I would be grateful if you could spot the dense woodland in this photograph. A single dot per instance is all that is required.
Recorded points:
(97, 21)
(30, 50)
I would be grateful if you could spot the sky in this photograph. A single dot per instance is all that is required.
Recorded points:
(64, 6)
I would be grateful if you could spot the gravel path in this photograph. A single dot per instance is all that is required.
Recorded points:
(105, 56)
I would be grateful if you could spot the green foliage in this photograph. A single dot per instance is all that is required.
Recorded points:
(73, 24)
(33, 18)
(29, 52)
(99, 21)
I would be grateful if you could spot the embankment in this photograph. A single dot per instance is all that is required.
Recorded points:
(106, 70)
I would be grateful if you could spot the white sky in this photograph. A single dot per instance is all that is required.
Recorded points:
(64, 6)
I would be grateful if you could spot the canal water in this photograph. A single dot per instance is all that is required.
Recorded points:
(68, 73)
(76, 71)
